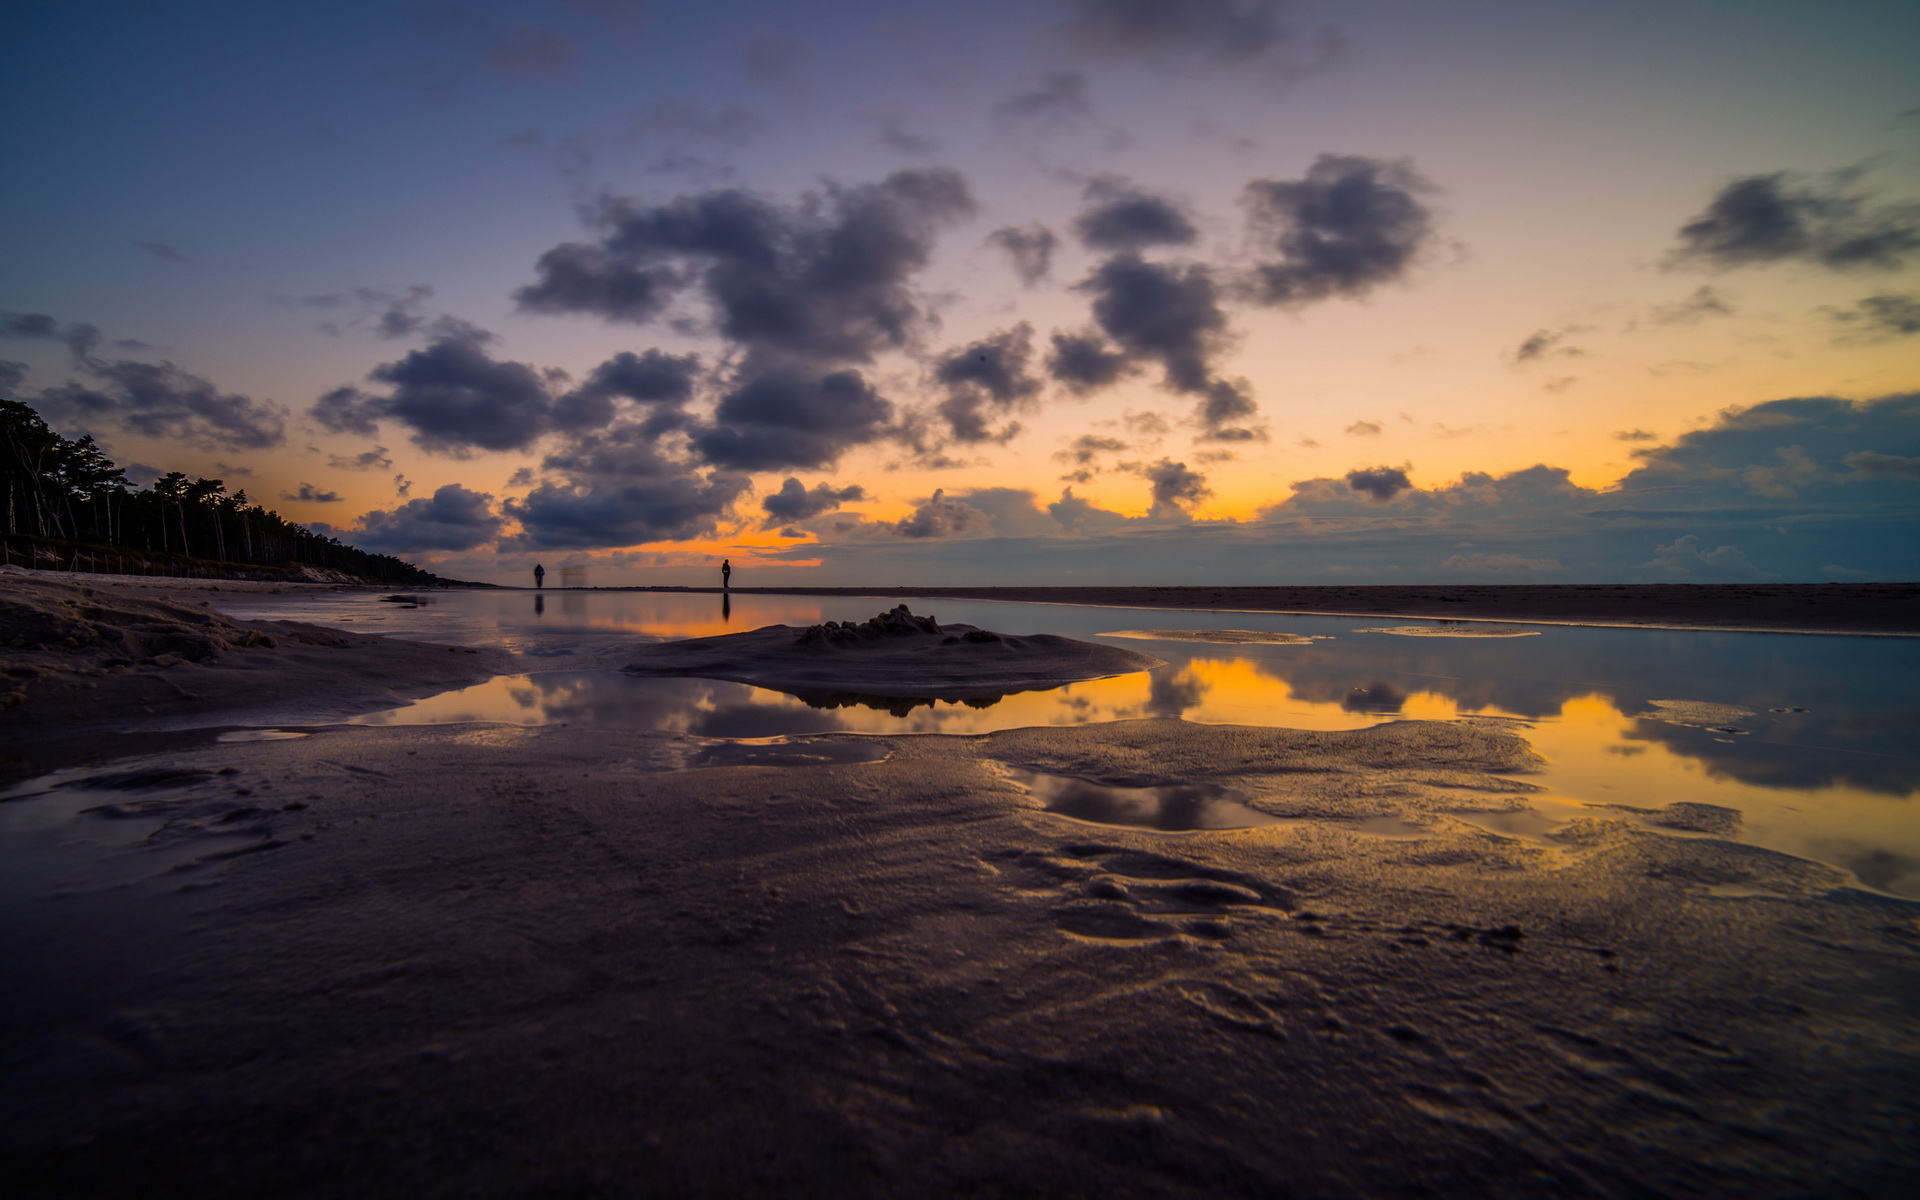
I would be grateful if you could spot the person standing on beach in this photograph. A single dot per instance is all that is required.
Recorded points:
(726, 574)
(539, 576)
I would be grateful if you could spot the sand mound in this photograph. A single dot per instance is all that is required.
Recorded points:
(1220, 637)
(895, 654)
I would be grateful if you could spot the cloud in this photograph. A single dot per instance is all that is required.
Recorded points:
(617, 487)
(661, 382)
(455, 518)
(12, 374)
(1122, 217)
(1830, 222)
(689, 122)
(80, 338)
(1546, 343)
(1378, 484)
(1351, 225)
(1169, 315)
(1874, 465)
(388, 312)
(1685, 559)
(1886, 315)
(1365, 429)
(1085, 362)
(160, 250)
(312, 494)
(159, 400)
(822, 282)
(368, 460)
(1636, 435)
(939, 517)
(1176, 488)
(1085, 451)
(785, 419)
(1029, 247)
(1195, 35)
(1500, 564)
(1061, 96)
(1706, 301)
(901, 141)
(985, 380)
(794, 502)
(452, 396)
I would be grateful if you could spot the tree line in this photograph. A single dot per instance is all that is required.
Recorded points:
(68, 505)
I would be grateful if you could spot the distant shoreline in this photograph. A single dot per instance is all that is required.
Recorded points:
(1844, 609)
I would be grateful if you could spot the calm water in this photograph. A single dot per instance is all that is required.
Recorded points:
(1816, 740)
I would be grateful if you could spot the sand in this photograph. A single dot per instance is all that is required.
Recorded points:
(892, 655)
(500, 961)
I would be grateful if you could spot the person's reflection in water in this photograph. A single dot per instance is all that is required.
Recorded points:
(726, 608)
(539, 605)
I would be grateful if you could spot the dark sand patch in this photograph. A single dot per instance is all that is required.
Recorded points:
(1223, 637)
(895, 654)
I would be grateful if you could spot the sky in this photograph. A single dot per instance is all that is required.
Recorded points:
(1019, 291)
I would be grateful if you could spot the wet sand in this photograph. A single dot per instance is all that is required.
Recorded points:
(502, 961)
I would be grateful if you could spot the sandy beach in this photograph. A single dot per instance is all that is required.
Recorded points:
(489, 960)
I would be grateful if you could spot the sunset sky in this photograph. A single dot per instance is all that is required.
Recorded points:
(1017, 291)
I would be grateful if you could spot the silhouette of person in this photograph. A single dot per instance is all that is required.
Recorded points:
(726, 574)
(539, 576)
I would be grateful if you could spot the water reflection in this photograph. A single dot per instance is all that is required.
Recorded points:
(1828, 767)
(1170, 809)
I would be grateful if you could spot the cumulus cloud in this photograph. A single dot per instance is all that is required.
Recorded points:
(1350, 225)
(1195, 34)
(80, 338)
(787, 418)
(1832, 222)
(1170, 315)
(1029, 247)
(454, 518)
(794, 502)
(1378, 484)
(661, 383)
(452, 396)
(1121, 216)
(617, 487)
(1176, 488)
(1085, 362)
(988, 379)
(312, 495)
(939, 517)
(1800, 449)
(1684, 559)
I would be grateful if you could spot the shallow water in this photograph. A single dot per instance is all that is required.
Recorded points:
(1825, 763)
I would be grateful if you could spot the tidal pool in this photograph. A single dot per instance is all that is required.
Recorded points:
(1825, 763)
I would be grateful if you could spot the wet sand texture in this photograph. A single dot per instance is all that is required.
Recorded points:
(895, 654)
(1218, 637)
(499, 961)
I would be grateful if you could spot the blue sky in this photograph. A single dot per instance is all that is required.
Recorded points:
(1233, 291)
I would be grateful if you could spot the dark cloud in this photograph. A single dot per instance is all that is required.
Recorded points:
(81, 339)
(375, 459)
(1120, 216)
(1030, 247)
(1378, 484)
(1170, 315)
(618, 488)
(1636, 435)
(12, 374)
(940, 517)
(1062, 95)
(1085, 362)
(159, 400)
(903, 141)
(312, 494)
(1351, 225)
(453, 519)
(1786, 217)
(826, 279)
(1176, 488)
(986, 380)
(1685, 559)
(1195, 34)
(1799, 450)
(388, 312)
(1084, 452)
(160, 250)
(662, 382)
(689, 122)
(1547, 343)
(1874, 465)
(788, 419)
(794, 502)
(1885, 315)
(454, 397)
